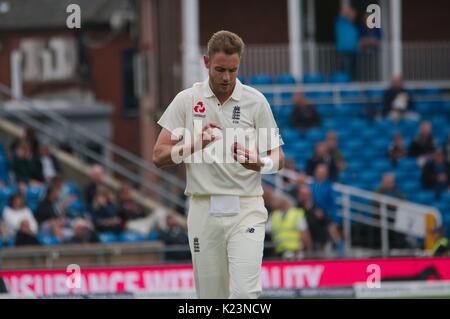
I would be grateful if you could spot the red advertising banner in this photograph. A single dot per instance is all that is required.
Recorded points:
(179, 278)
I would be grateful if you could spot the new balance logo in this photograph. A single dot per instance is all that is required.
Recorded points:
(250, 230)
(196, 245)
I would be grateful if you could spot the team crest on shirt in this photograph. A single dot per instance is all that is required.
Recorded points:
(236, 114)
(199, 109)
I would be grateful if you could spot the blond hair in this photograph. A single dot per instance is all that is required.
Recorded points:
(226, 42)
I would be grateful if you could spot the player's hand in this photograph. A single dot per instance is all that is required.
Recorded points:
(247, 159)
(207, 134)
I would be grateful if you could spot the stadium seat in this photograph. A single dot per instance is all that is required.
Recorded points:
(285, 79)
(48, 240)
(33, 195)
(131, 237)
(108, 237)
(375, 93)
(260, 79)
(313, 78)
(242, 79)
(339, 77)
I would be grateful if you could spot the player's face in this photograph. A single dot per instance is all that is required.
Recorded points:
(223, 69)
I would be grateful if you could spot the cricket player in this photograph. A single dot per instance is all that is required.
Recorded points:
(227, 137)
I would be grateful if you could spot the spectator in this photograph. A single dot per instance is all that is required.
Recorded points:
(446, 150)
(51, 217)
(29, 138)
(441, 246)
(290, 174)
(289, 230)
(269, 197)
(387, 187)
(96, 180)
(133, 216)
(14, 213)
(48, 164)
(318, 222)
(175, 235)
(397, 101)
(25, 236)
(369, 48)
(322, 156)
(304, 115)
(65, 198)
(396, 149)
(104, 213)
(436, 173)
(24, 167)
(83, 232)
(423, 145)
(347, 40)
(334, 152)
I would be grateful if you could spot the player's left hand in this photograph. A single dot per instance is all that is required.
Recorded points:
(247, 159)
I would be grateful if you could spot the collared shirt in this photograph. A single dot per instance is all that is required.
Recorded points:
(214, 172)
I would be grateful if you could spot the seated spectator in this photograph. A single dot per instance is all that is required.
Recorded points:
(397, 102)
(436, 173)
(24, 166)
(29, 138)
(423, 145)
(133, 216)
(51, 217)
(65, 198)
(104, 213)
(83, 232)
(96, 181)
(25, 236)
(322, 156)
(334, 152)
(304, 115)
(14, 213)
(288, 228)
(175, 235)
(396, 149)
(48, 164)
(388, 187)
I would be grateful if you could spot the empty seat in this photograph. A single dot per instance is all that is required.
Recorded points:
(310, 78)
(285, 79)
(260, 79)
(339, 77)
(108, 237)
(131, 237)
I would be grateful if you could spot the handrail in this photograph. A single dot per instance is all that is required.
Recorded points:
(91, 135)
(81, 132)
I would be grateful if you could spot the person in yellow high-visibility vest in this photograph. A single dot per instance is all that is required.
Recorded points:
(289, 229)
(441, 246)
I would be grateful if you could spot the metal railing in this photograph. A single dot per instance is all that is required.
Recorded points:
(421, 60)
(368, 208)
(59, 129)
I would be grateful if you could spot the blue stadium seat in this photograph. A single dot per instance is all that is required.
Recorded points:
(260, 79)
(425, 197)
(153, 235)
(33, 195)
(72, 188)
(131, 237)
(108, 237)
(5, 194)
(381, 165)
(407, 164)
(339, 77)
(285, 78)
(48, 240)
(242, 79)
(311, 78)
(430, 91)
(374, 93)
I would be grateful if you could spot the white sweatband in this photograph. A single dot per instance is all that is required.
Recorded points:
(268, 167)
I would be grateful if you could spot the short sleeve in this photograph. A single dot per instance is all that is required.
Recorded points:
(268, 132)
(174, 117)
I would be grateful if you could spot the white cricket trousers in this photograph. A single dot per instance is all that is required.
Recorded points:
(226, 250)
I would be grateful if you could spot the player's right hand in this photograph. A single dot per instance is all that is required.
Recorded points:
(207, 134)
